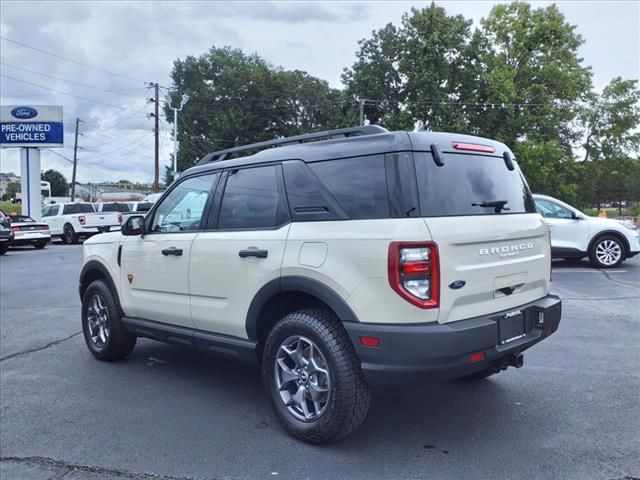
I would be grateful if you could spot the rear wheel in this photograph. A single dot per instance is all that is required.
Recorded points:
(313, 377)
(3, 249)
(103, 330)
(69, 235)
(607, 251)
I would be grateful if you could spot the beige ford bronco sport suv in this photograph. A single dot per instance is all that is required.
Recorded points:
(337, 261)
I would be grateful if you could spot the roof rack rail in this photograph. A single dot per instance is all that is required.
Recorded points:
(328, 134)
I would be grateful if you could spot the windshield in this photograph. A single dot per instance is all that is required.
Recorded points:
(470, 185)
(115, 207)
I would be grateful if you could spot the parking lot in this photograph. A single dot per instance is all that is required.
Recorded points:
(572, 412)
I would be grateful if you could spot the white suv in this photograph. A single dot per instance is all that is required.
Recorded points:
(574, 235)
(336, 261)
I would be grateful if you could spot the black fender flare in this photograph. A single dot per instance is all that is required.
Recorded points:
(614, 233)
(296, 284)
(92, 266)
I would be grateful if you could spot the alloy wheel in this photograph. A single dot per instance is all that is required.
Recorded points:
(302, 378)
(98, 321)
(608, 252)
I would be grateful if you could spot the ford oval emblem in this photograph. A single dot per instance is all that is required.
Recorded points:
(457, 284)
(24, 112)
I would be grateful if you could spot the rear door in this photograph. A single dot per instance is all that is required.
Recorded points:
(493, 247)
(241, 251)
(155, 266)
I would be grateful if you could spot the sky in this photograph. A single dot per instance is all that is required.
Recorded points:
(117, 46)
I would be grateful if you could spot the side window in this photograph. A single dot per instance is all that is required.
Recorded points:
(46, 212)
(183, 208)
(552, 210)
(358, 184)
(253, 199)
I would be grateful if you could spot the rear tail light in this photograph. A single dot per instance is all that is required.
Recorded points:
(15, 229)
(82, 219)
(414, 272)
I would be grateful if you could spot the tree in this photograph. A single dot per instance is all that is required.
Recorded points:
(611, 121)
(237, 99)
(12, 189)
(59, 185)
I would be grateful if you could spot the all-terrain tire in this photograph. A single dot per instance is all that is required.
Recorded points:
(348, 399)
(119, 343)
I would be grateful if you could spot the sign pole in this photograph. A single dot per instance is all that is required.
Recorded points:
(31, 191)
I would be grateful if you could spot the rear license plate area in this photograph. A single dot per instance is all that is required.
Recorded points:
(511, 327)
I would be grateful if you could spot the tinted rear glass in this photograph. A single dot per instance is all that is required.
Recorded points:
(358, 184)
(116, 207)
(71, 208)
(144, 207)
(451, 190)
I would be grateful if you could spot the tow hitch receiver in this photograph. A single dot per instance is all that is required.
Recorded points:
(516, 360)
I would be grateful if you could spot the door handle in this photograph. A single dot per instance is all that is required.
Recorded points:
(172, 251)
(253, 253)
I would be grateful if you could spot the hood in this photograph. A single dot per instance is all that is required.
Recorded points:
(109, 237)
(606, 222)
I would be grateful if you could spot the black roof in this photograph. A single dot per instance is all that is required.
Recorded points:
(329, 145)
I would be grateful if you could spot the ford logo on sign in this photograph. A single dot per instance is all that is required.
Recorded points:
(24, 112)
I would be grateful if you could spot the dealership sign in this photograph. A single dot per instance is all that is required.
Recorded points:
(31, 126)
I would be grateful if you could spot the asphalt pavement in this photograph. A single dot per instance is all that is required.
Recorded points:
(572, 412)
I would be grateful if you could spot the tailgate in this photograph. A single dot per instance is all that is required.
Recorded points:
(503, 260)
(101, 219)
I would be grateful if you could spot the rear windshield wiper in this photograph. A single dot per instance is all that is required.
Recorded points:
(497, 205)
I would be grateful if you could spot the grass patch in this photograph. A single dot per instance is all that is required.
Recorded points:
(8, 207)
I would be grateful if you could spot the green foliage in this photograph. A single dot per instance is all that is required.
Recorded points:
(59, 185)
(11, 190)
(237, 99)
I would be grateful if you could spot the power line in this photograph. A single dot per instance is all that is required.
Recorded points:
(71, 60)
(60, 92)
(130, 145)
(68, 81)
(61, 156)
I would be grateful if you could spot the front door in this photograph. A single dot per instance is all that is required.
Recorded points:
(155, 266)
(569, 234)
(242, 252)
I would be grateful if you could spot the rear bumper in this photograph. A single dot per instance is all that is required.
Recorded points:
(427, 353)
(31, 238)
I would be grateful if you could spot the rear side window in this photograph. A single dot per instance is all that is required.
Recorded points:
(73, 208)
(115, 207)
(465, 182)
(253, 198)
(358, 184)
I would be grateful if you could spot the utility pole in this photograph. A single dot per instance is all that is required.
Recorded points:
(75, 163)
(156, 174)
(361, 101)
(183, 101)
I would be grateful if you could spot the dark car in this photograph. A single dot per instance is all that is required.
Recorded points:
(6, 234)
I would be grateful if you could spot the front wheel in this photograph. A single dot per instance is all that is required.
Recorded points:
(313, 377)
(103, 330)
(3, 249)
(607, 251)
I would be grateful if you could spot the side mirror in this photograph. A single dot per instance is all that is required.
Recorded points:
(576, 217)
(133, 226)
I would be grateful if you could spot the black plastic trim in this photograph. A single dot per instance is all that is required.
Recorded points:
(295, 284)
(565, 252)
(426, 353)
(226, 346)
(616, 234)
(94, 265)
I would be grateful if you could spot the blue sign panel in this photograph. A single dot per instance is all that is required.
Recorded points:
(13, 133)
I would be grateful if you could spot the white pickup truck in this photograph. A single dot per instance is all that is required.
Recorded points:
(71, 221)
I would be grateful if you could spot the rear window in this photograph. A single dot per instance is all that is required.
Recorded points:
(115, 207)
(73, 208)
(465, 180)
(144, 207)
(358, 184)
